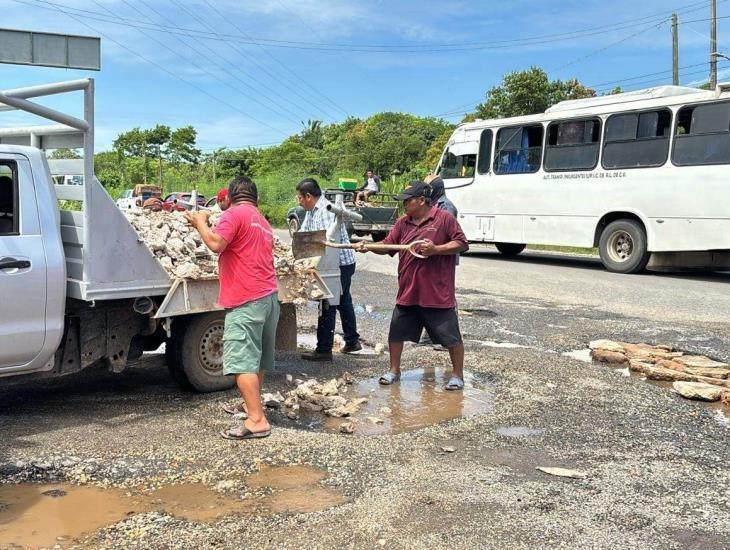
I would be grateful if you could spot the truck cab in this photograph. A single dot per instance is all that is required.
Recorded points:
(32, 264)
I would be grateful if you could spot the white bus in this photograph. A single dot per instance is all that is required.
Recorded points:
(642, 175)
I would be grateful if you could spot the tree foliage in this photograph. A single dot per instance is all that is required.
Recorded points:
(528, 92)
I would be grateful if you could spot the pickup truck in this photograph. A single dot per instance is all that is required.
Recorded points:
(79, 287)
(378, 217)
(134, 198)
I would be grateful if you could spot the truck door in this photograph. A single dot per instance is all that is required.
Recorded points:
(22, 267)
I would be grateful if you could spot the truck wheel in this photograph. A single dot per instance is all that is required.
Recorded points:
(293, 226)
(172, 354)
(509, 249)
(198, 353)
(623, 247)
(378, 235)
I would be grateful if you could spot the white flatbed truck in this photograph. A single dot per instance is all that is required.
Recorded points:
(78, 287)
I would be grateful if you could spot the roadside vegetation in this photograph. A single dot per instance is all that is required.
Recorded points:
(397, 146)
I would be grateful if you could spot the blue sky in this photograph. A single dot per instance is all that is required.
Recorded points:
(220, 65)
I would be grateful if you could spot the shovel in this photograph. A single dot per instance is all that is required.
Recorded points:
(306, 244)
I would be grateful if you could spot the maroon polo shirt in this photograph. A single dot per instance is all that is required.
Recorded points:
(426, 282)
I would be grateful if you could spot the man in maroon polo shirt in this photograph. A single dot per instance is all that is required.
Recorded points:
(426, 287)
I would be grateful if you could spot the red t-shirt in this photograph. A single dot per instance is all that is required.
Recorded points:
(246, 267)
(426, 282)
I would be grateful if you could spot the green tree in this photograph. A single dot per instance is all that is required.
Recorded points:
(528, 92)
(181, 146)
(65, 153)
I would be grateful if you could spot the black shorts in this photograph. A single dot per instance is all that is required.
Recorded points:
(408, 323)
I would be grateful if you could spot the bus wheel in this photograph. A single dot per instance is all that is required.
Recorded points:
(623, 247)
(293, 226)
(509, 249)
(198, 353)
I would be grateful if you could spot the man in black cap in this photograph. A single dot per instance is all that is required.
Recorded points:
(426, 287)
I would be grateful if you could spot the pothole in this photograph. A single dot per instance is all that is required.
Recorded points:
(44, 515)
(417, 401)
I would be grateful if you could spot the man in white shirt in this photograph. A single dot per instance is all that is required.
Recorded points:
(370, 187)
(310, 198)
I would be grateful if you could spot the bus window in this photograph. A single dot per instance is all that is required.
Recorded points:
(457, 166)
(485, 152)
(519, 150)
(572, 145)
(702, 135)
(636, 140)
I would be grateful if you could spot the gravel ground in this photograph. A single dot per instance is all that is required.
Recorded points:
(657, 465)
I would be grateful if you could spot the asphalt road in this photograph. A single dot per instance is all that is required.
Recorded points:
(656, 465)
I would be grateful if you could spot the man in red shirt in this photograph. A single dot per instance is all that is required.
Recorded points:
(244, 241)
(426, 287)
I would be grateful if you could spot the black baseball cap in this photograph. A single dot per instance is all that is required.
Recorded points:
(415, 189)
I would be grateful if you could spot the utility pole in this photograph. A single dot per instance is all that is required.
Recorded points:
(675, 51)
(214, 184)
(713, 44)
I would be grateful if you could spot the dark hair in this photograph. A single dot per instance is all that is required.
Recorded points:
(369, 170)
(242, 188)
(309, 185)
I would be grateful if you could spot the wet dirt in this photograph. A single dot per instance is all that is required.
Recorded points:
(488, 313)
(38, 515)
(42, 515)
(417, 401)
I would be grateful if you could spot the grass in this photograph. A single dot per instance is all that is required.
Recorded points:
(566, 249)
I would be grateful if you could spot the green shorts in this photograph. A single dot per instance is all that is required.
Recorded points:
(249, 336)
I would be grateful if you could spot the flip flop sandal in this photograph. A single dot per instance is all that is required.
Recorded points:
(243, 433)
(389, 378)
(454, 383)
(238, 410)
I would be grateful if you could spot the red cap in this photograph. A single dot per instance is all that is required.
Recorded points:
(222, 194)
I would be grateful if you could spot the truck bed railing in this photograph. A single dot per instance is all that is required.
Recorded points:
(105, 259)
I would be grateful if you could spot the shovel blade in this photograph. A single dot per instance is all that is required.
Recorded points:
(306, 244)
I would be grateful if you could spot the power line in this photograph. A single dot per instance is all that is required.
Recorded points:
(286, 67)
(165, 70)
(254, 60)
(395, 48)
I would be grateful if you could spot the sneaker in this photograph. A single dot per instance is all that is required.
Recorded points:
(319, 356)
(439, 347)
(351, 348)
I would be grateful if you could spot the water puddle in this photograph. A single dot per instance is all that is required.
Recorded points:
(43, 515)
(417, 401)
(519, 431)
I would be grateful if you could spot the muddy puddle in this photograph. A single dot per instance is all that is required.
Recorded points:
(417, 401)
(44, 515)
(721, 412)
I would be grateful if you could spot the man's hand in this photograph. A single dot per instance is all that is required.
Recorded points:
(360, 247)
(428, 248)
(197, 219)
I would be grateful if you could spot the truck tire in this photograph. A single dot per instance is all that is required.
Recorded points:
(198, 353)
(293, 225)
(378, 235)
(510, 250)
(623, 247)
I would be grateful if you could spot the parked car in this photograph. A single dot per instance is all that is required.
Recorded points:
(179, 202)
(377, 218)
(132, 198)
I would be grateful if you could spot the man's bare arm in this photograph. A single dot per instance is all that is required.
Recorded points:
(199, 220)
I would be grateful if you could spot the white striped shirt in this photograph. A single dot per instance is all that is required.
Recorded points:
(320, 218)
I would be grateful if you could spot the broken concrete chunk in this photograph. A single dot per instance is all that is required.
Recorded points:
(700, 361)
(347, 427)
(606, 345)
(605, 356)
(563, 472)
(698, 391)
(331, 387)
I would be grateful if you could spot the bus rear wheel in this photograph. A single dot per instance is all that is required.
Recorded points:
(623, 247)
(509, 249)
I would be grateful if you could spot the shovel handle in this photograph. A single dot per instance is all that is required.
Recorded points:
(411, 247)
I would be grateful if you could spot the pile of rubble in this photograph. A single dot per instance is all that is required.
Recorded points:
(693, 376)
(326, 397)
(181, 251)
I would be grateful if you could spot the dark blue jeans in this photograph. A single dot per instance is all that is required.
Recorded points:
(328, 317)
